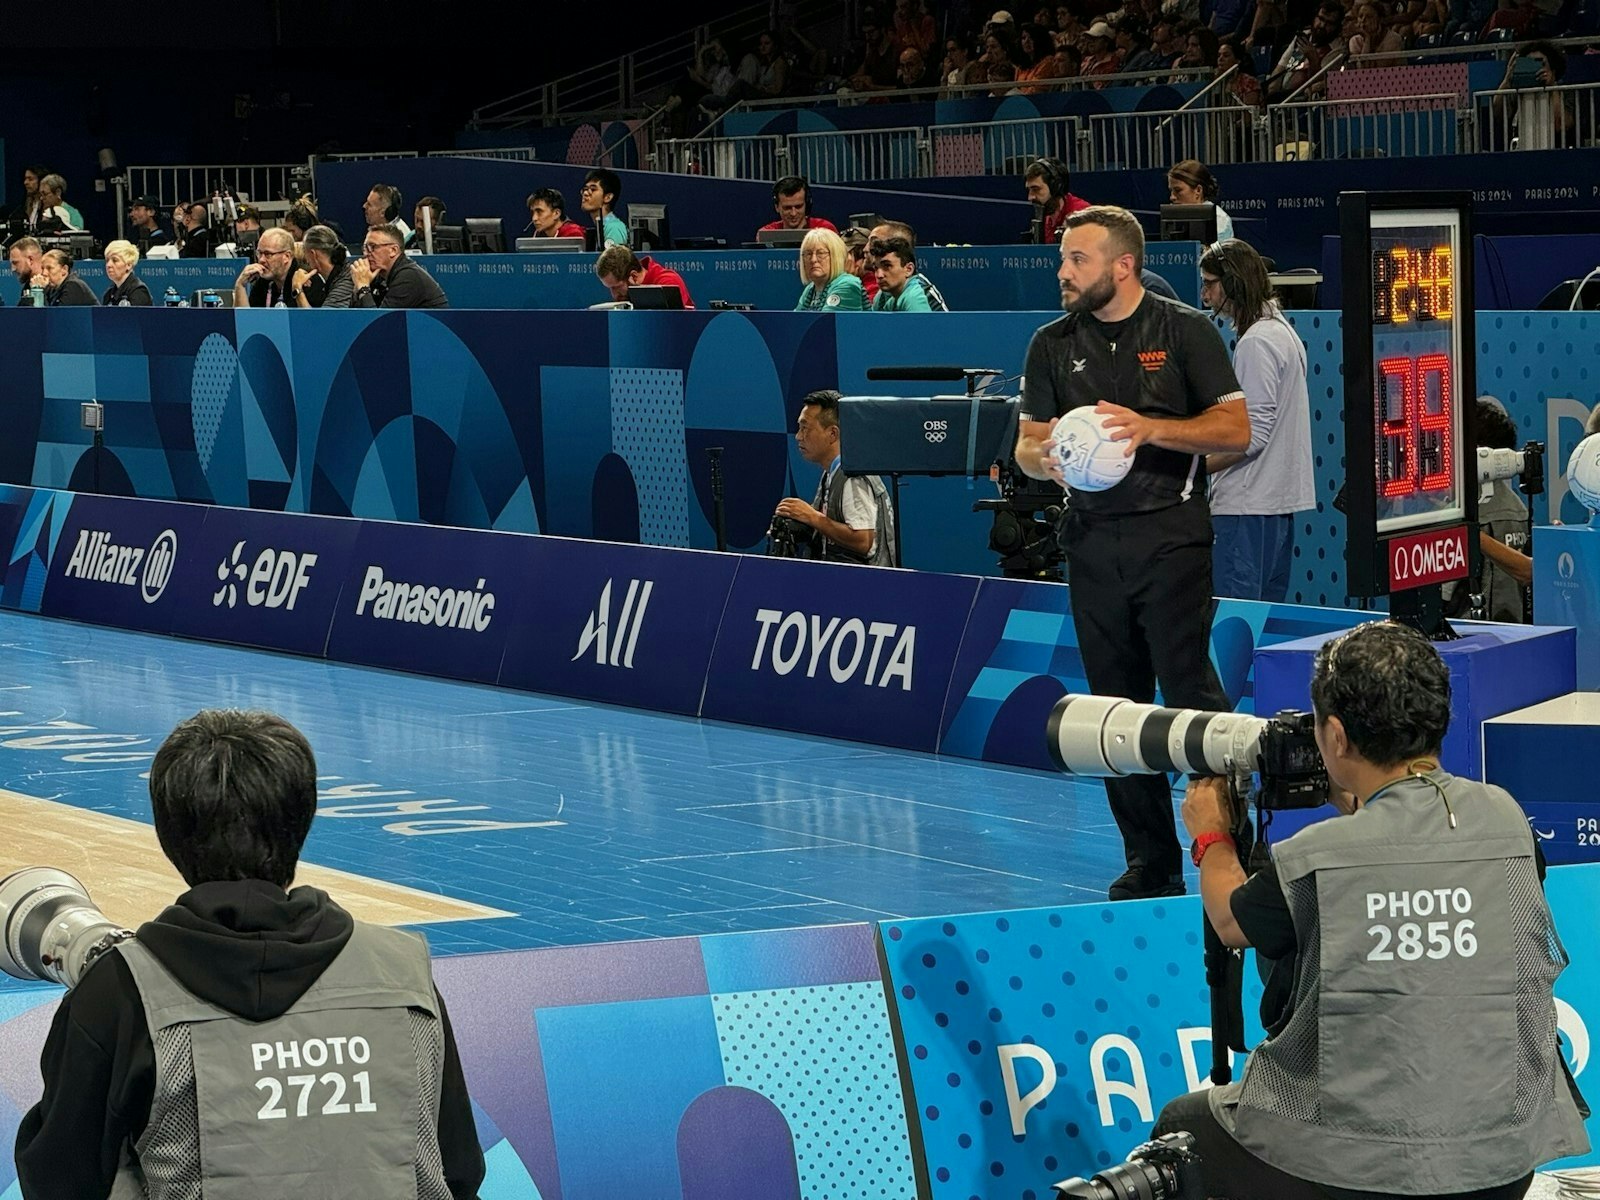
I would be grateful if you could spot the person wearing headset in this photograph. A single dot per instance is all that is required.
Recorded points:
(1049, 185)
(1191, 182)
(791, 196)
(382, 207)
(1256, 492)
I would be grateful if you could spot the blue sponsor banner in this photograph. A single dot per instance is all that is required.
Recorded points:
(620, 624)
(1566, 590)
(26, 560)
(863, 653)
(1042, 1043)
(433, 600)
(115, 561)
(264, 579)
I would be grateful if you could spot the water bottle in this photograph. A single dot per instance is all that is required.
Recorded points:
(36, 292)
(171, 299)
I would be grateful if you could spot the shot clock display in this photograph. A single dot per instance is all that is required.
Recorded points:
(1408, 388)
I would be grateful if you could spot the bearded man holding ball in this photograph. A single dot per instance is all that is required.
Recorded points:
(1155, 376)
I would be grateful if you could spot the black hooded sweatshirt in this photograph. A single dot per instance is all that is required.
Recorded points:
(248, 947)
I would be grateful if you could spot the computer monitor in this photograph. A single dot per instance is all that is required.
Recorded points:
(80, 246)
(485, 235)
(449, 239)
(543, 245)
(648, 228)
(1189, 223)
(642, 295)
(789, 238)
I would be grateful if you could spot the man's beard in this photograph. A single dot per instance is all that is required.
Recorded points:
(1092, 298)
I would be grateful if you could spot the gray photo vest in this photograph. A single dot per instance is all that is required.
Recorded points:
(1420, 1056)
(830, 502)
(338, 1097)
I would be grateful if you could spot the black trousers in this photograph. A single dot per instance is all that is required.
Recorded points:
(1141, 603)
(1232, 1173)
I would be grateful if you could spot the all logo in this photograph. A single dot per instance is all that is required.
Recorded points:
(613, 645)
(96, 557)
(273, 579)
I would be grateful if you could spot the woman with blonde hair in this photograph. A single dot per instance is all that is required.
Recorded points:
(829, 284)
(127, 290)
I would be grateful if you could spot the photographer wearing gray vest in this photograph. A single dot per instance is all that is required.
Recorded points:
(851, 514)
(251, 1041)
(1411, 1028)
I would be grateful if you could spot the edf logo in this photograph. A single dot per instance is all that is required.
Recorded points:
(275, 579)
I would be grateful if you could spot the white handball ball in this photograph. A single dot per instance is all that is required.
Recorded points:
(1082, 447)
(1583, 472)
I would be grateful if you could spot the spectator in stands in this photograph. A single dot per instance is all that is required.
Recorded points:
(127, 290)
(1191, 182)
(273, 280)
(30, 207)
(1003, 77)
(143, 216)
(1373, 36)
(830, 286)
(913, 27)
(1227, 16)
(791, 196)
(861, 264)
(301, 217)
(878, 57)
(385, 278)
(1036, 55)
(247, 219)
(1243, 85)
(1305, 54)
(880, 237)
(1470, 16)
(54, 211)
(1429, 17)
(1100, 51)
(602, 188)
(899, 289)
(960, 69)
(197, 234)
(1199, 50)
(429, 214)
(1542, 120)
(912, 71)
(326, 259)
(547, 213)
(619, 269)
(62, 286)
(1166, 46)
(383, 206)
(25, 254)
(852, 514)
(1519, 16)
(1070, 59)
(772, 74)
(1048, 182)
(1133, 43)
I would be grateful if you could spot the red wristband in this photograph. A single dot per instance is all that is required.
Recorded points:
(1204, 842)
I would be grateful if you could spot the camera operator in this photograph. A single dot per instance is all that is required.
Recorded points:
(174, 1067)
(1505, 570)
(1412, 1047)
(852, 514)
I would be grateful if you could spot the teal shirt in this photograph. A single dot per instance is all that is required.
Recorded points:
(844, 293)
(613, 232)
(911, 299)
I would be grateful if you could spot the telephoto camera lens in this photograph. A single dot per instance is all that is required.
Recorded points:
(49, 928)
(1165, 1169)
(1107, 735)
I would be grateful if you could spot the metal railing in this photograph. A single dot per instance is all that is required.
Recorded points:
(507, 153)
(1003, 147)
(256, 182)
(1140, 141)
(1537, 118)
(1406, 127)
(851, 155)
(369, 155)
(759, 156)
(1074, 83)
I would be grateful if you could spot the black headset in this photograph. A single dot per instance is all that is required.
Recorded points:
(1227, 270)
(392, 209)
(789, 185)
(1057, 178)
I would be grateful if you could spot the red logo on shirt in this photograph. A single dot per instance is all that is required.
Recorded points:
(1152, 360)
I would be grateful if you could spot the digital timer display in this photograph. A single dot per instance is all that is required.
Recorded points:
(1416, 377)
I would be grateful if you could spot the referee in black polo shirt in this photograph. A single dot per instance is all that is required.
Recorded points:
(1138, 554)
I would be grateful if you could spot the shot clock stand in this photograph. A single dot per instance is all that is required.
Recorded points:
(1411, 490)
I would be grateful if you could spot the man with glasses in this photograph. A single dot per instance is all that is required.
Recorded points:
(274, 280)
(602, 188)
(385, 278)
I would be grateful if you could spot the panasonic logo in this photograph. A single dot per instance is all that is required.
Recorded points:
(616, 649)
(839, 647)
(96, 557)
(415, 604)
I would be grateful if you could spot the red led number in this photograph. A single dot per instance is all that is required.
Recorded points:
(1415, 413)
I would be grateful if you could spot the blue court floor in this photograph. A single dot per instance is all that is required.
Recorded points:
(588, 823)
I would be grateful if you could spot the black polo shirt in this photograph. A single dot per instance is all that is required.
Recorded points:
(130, 293)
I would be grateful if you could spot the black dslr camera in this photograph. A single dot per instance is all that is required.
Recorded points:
(1292, 771)
(1165, 1169)
(788, 538)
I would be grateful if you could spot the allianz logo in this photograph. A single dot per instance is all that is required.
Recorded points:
(96, 557)
(272, 579)
(423, 604)
(614, 643)
(847, 649)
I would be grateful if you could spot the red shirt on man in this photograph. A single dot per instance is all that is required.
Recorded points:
(1054, 221)
(656, 275)
(567, 229)
(811, 223)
